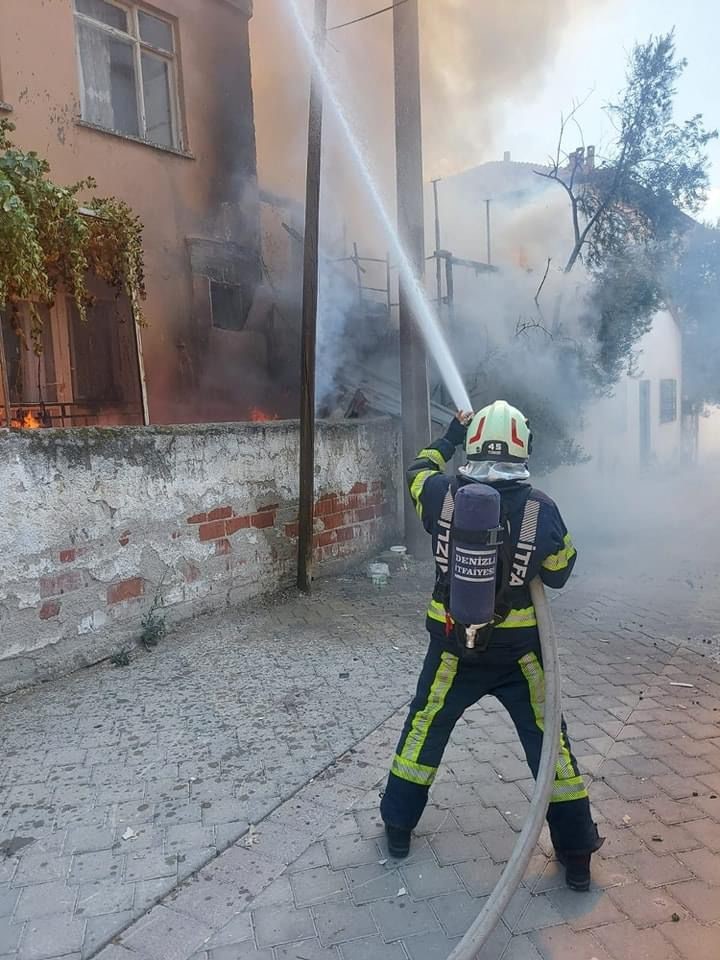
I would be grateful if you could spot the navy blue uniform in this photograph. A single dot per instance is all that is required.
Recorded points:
(510, 668)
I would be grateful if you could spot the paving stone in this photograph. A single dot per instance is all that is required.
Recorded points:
(587, 911)
(8, 900)
(88, 839)
(637, 811)
(279, 891)
(100, 930)
(336, 922)
(457, 912)
(150, 865)
(537, 914)
(40, 868)
(707, 832)
(435, 820)
(692, 940)
(401, 917)
(239, 951)
(700, 898)
(704, 864)
(624, 942)
(432, 946)
(373, 948)
(500, 844)
(314, 856)
(673, 839)
(98, 898)
(167, 934)
(455, 847)
(374, 881)
(656, 871)
(564, 943)
(429, 880)
(645, 907)
(521, 948)
(41, 900)
(479, 876)
(51, 937)
(306, 950)
(99, 865)
(317, 885)
(10, 934)
(277, 925)
(235, 931)
(351, 851)
(477, 819)
(621, 842)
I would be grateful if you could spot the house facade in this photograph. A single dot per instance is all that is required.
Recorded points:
(155, 102)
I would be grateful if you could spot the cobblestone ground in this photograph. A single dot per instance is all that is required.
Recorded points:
(121, 785)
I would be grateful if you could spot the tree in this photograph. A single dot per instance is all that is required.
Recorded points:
(695, 288)
(653, 168)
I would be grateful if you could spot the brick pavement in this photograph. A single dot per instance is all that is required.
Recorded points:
(123, 783)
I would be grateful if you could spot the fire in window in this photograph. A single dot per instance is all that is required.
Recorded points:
(228, 305)
(668, 401)
(128, 71)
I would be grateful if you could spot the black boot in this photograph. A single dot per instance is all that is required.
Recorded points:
(577, 870)
(398, 841)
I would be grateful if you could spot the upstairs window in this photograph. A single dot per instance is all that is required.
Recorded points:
(228, 306)
(668, 401)
(128, 71)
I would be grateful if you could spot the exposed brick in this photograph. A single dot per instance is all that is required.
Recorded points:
(292, 530)
(50, 609)
(326, 505)
(365, 513)
(270, 508)
(220, 513)
(344, 534)
(61, 583)
(236, 523)
(377, 485)
(124, 538)
(222, 548)
(334, 520)
(214, 530)
(262, 520)
(326, 538)
(359, 487)
(68, 556)
(126, 590)
(198, 518)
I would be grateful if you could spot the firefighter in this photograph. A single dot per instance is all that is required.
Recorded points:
(506, 662)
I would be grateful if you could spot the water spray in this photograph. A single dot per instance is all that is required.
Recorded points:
(427, 322)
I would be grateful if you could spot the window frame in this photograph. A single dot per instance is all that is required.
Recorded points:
(241, 293)
(139, 46)
(664, 418)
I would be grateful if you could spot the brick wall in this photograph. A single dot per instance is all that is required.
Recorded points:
(99, 525)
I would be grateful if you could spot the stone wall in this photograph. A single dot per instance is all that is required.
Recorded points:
(100, 526)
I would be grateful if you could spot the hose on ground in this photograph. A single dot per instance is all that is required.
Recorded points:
(474, 939)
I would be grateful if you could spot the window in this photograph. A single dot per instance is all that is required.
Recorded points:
(102, 355)
(229, 311)
(29, 355)
(128, 71)
(668, 401)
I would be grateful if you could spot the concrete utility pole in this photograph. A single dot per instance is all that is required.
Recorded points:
(411, 223)
(309, 315)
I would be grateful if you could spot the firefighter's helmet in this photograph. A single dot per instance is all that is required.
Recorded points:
(499, 433)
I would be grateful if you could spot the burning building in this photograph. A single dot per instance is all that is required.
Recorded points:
(156, 104)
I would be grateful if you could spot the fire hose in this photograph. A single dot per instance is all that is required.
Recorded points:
(477, 935)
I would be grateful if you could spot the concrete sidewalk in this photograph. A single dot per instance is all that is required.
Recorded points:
(122, 783)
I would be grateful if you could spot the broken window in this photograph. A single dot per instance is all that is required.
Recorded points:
(63, 371)
(128, 71)
(229, 309)
(668, 401)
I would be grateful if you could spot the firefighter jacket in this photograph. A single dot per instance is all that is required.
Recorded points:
(538, 536)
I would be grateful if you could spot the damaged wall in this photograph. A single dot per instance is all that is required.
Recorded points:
(98, 523)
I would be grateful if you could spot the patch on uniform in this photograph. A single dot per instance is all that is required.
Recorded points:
(526, 544)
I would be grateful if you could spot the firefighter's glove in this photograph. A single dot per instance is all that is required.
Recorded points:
(456, 432)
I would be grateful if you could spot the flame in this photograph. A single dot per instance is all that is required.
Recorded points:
(261, 416)
(28, 422)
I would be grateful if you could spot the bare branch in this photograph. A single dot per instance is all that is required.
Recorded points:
(542, 282)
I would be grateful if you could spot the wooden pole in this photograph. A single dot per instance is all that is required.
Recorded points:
(411, 224)
(309, 315)
(4, 380)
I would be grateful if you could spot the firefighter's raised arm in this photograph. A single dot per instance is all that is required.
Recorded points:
(556, 568)
(432, 460)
